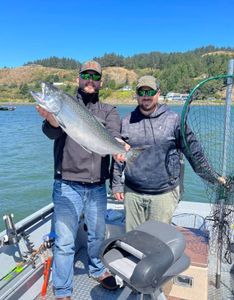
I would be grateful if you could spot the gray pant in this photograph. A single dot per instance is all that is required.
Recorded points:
(143, 207)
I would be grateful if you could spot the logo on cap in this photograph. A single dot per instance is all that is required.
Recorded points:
(91, 65)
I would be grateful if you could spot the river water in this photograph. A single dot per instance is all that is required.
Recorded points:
(26, 164)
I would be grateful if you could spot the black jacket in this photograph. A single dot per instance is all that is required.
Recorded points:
(71, 161)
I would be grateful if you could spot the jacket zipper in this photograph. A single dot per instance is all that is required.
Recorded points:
(92, 168)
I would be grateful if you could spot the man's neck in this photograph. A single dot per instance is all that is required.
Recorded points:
(148, 112)
(88, 98)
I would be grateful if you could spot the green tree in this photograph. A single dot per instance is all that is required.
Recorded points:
(37, 85)
(111, 84)
(52, 78)
(23, 89)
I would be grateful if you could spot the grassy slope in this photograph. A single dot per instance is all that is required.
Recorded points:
(11, 79)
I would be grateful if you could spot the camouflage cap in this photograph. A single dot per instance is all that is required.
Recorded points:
(91, 65)
(147, 80)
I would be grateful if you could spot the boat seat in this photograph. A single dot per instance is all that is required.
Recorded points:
(147, 257)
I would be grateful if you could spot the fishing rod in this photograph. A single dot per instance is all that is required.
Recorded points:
(41, 251)
(13, 237)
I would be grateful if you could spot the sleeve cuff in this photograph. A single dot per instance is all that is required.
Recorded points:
(117, 189)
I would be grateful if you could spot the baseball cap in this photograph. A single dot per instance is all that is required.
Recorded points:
(147, 80)
(91, 65)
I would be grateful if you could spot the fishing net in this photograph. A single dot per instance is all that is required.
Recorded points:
(210, 115)
(206, 116)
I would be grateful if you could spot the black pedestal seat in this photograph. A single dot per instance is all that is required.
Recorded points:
(146, 258)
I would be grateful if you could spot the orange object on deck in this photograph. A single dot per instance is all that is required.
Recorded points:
(47, 269)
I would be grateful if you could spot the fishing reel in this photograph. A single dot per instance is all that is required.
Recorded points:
(48, 240)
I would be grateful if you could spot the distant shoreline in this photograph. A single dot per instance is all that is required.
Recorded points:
(115, 102)
(133, 103)
(11, 103)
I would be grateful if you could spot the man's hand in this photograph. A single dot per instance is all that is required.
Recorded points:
(120, 156)
(119, 196)
(48, 116)
(222, 180)
(228, 182)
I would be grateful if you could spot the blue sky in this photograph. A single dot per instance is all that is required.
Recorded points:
(82, 29)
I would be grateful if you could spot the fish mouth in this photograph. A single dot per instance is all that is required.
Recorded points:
(48, 98)
(38, 97)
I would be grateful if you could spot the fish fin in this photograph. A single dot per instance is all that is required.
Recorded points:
(120, 141)
(85, 149)
(100, 121)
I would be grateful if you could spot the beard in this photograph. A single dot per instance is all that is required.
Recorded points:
(90, 88)
(147, 105)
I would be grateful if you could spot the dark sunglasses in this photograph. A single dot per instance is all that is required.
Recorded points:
(149, 93)
(87, 76)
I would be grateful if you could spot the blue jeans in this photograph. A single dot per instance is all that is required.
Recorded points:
(70, 200)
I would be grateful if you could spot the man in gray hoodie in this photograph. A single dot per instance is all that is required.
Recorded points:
(151, 188)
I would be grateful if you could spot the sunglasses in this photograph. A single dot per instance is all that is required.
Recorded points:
(149, 93)
(87, 76)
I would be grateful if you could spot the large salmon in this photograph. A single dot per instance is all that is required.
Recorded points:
(76, 120)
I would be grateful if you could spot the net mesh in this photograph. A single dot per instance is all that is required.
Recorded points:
(212, 121)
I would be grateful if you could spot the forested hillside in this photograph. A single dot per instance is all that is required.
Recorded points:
(177, 72)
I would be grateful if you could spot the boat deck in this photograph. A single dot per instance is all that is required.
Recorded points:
(86, 288)
(186, 215)
(27, 284)
(226, 290)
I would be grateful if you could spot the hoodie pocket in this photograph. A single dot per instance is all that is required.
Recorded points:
(173, 164)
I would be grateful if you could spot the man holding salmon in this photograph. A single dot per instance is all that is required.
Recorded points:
(79, 186)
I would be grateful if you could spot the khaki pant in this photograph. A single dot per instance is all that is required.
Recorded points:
(143, 207)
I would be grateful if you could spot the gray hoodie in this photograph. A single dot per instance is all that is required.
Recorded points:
(157, 169)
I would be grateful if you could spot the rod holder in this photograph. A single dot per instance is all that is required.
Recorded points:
(11, 233)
